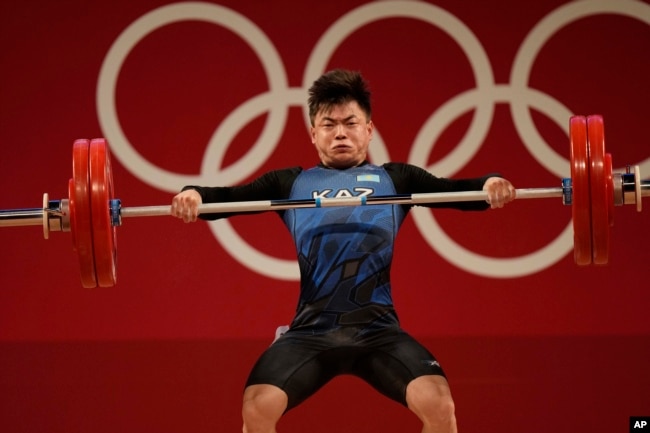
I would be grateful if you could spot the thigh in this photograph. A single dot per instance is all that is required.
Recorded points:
(295, 365)
(393, 361)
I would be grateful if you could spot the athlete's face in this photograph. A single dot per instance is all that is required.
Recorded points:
(342, 135)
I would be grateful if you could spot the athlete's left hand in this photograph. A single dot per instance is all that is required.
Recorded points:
(500, 191)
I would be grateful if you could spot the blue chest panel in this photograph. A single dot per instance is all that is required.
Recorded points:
(344, 253)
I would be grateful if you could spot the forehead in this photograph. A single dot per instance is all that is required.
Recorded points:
(343, 110)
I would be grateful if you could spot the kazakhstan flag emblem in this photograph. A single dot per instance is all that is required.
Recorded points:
(367, 178)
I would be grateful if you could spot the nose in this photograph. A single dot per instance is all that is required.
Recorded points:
(340, 131)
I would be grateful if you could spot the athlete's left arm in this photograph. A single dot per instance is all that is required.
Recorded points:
(410, 179)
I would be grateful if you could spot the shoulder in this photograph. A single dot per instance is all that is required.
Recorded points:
(402, 170)
(401, 166)
(282, 178)
(288, 171)
(281, 175)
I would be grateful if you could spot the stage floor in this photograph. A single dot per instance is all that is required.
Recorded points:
(523, 385)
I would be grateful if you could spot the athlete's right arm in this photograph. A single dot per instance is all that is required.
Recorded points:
(273, 185)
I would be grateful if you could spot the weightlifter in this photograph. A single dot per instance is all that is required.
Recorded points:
(345, 322)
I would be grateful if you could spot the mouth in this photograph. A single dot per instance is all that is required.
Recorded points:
(341, 147)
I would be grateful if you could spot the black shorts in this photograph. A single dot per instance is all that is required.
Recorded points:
(301, 364)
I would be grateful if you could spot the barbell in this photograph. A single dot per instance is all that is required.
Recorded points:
(91, 213)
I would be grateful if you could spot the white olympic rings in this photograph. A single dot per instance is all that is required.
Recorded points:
(277, 100)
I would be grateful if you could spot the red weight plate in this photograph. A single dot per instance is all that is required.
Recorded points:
(101, 192)
(581, 206)
(598, 188)
(609, 178)
(80, 216)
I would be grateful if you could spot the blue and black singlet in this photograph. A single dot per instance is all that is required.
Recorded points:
(344, 253)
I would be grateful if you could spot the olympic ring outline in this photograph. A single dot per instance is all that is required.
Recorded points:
(107, 81)
(362, 15)
(553, 252)
(145, 171)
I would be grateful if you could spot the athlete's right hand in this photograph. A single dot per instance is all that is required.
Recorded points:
(185, 205)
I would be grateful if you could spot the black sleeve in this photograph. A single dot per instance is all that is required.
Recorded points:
(273, 185)
(410, 179)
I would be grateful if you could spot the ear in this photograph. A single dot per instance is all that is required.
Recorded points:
(312, 132)
(370, 127)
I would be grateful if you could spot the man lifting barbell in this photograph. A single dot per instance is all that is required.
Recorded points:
(345, 322)
(344, 254)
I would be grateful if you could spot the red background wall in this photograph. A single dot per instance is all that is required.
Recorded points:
(556, 348)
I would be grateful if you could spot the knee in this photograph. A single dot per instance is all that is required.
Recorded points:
(262, 408)
(431, 401)
(443, 411)
(434, 410)
(252, 415)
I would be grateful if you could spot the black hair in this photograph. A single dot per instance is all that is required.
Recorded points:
(337, 87)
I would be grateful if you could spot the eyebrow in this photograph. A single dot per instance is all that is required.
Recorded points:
(331, 119)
